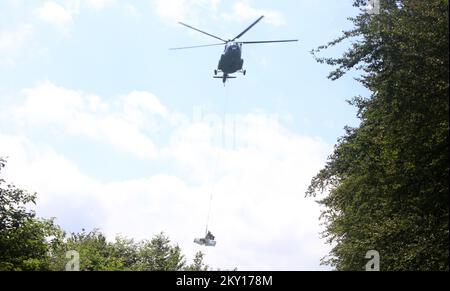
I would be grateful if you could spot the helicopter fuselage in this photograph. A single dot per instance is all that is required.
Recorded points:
(231, 60)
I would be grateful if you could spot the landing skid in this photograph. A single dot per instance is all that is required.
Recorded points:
(243, 72)
(225, 77)
(221, 77)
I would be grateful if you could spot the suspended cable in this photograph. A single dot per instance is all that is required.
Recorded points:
(219, 148)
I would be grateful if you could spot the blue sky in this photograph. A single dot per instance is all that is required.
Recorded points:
(115, 131)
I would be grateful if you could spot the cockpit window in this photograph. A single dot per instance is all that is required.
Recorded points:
(231, 46)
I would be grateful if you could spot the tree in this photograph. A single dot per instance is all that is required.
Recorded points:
(123, 254)
(25, 240)
(387, 180)
(159, 255)
(198, 265)
(28, 243)
(127, 250)
(95, 253)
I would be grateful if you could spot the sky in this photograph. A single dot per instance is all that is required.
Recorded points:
(115, 131)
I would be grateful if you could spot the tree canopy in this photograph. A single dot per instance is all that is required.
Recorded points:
(386, 183)
(28, 243)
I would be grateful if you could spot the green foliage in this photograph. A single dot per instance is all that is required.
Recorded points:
(159, 255)
(97, 254)
(197, 265)
(25, 241)
(28, 243)
(388, 179)
(128, 252)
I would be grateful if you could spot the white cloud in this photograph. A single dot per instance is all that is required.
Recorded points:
(179, 10)
(259, 214)
(138, 100)
(11, 41)
(100, 4)
(131, 10)
(64, 192)
(173, 9)
(15, 3)
(55, 14)
(62, 16)
(88, 116)
(72, 6)
(242, 11)
(200, 11)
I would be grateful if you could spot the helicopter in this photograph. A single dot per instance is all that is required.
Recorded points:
(231, 60)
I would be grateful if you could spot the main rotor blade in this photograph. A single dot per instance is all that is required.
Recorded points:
(197, 46)
(245, 31)
(269, 41)
(216, 37)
